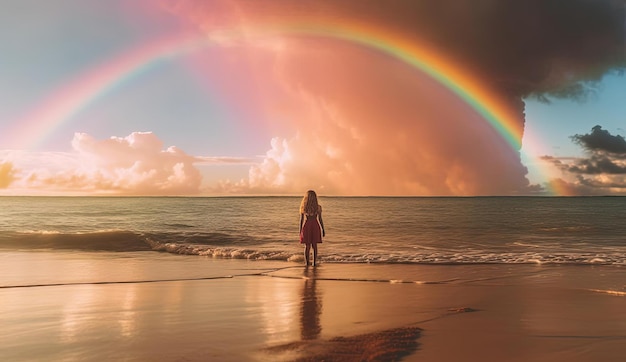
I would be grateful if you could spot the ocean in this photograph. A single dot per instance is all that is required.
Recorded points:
(223, 278)
(393, 230)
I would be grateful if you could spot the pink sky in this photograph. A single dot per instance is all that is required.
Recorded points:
(263, 114)
(345, 121)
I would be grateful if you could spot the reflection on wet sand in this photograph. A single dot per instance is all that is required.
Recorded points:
(311, 307)
(385, 345)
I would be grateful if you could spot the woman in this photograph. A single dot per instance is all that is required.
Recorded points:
(311, 225)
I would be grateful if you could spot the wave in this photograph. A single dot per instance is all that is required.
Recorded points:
(610, 292)
(233, 246)
(106, 240)
(443, 257)
(219, 252)
(120, 241)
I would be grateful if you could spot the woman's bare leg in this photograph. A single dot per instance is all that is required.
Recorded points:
(314, 254)
(307, 251)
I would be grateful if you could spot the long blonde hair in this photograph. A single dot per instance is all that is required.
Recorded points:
(309, 205)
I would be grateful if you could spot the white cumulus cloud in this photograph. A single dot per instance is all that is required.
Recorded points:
(136, 164)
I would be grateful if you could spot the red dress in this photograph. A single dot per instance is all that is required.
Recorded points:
(311, 231)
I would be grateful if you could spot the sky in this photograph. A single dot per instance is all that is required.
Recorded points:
(347, 97)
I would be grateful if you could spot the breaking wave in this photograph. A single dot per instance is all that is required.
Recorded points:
(233, 246)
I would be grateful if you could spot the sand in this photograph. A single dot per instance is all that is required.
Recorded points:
(196, 309)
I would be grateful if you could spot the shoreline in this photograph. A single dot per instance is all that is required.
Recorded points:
(236, 310)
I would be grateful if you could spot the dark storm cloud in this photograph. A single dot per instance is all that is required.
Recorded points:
(542, 46)
(522, 47)
(601, 140)
(603, 168)
(606, 154)
(517, 48)
(596, 165)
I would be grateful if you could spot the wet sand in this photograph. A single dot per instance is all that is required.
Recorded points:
(196, 309)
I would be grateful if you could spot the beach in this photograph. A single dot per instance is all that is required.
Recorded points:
(214, 279)
(181, 308)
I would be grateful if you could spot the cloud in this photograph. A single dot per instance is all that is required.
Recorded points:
(137, 164)
(362, 123)
(574, 188)
(133, 165)
(7, 174)
(545, 48)
(597, 165)
(601, 171)
(368, 135)
(224, 160)
(601, 140)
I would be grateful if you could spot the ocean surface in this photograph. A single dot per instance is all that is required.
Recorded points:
(222, 278)
(393, 230)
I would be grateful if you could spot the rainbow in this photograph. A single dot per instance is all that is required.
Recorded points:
(78, 94)
(87, 88)
(428, 61)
